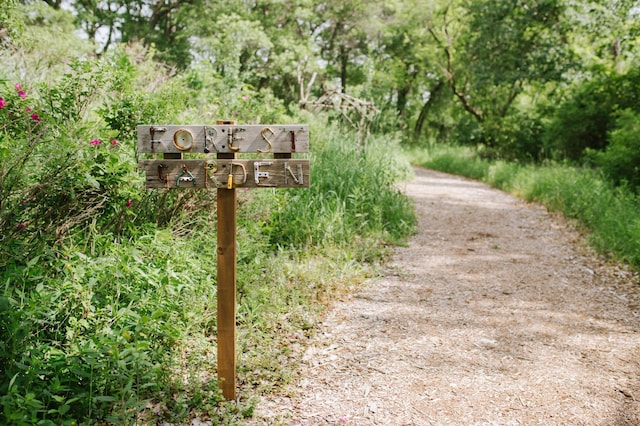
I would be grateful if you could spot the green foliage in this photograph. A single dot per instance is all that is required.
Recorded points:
(340, 206)
(584, 120)
(509, 44)
(463, 161)
(59, 170)
(215, 96)
(95, 340)
(605, 33)
(10, 26)
(621, 159)
(494, 54)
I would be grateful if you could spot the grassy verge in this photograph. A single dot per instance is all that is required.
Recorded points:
(611, 215)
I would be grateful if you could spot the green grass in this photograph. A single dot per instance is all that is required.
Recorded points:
(609, 214)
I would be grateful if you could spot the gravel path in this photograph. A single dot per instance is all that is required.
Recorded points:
(494, 314)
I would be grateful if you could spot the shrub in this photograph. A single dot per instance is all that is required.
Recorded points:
(621, 159)
(589, 114)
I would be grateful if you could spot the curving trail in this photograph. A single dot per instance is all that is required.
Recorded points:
(494, 314)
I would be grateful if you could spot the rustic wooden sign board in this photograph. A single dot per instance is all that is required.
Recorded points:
(273, 144)
(176, 172)
(272, 173)
(224, 138)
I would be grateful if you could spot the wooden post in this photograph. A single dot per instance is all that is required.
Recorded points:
(226, 204)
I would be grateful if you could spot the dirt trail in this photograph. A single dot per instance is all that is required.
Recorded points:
(495, 314)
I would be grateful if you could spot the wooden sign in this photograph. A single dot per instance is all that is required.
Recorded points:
(272, 138)
(225, 173)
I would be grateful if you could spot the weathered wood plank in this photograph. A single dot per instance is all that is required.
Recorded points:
(268, 138)
(256, 173)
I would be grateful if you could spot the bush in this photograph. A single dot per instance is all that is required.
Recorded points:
(621, 159)
(584, 120)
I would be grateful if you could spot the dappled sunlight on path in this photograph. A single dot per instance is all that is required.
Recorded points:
(495, 313)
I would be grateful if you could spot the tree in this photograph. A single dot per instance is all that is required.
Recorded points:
(344, 35)
(154, 22)
(491, 52)
(605, 33)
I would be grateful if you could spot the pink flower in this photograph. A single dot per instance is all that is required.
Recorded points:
(28, 109)
(95, 142)
(35, 117)
(3, 103)
(129, 203)
(21, 93)
(114, 142)
(20, 226)
(245, 98)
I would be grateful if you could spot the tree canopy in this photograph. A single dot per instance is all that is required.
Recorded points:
(470, 71)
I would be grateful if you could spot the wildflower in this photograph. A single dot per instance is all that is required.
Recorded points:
(95, 142)
(114, 142)
(17, 86)
(28, 109)
(234, 113)
(129, 203)
(245, 98)
(3, 103)
(22, 94)
(35, 117)
(20, 226)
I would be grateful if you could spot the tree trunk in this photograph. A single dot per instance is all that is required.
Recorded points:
(344, 60)
(426, 107)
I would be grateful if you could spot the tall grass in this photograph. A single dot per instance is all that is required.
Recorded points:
(352, 195)
(610, 214)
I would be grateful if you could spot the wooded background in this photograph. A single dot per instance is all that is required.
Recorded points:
(524, 79)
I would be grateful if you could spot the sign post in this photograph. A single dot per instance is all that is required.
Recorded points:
(225, 173)
(227, 199)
